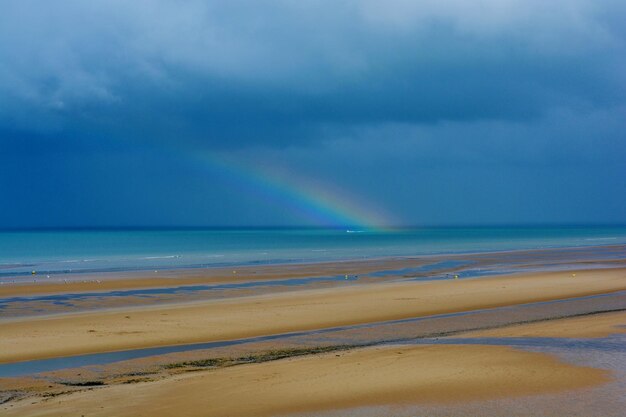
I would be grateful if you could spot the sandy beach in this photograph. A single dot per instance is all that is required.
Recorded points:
(366, 357)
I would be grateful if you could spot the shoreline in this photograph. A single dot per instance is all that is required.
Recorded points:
(304, 262)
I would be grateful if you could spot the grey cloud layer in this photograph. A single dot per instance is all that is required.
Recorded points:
(274, 72)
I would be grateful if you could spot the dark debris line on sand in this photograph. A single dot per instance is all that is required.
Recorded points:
(267, 356)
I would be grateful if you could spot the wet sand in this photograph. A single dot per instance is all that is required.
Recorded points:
(390, 375)
(25, 339)
(111, 281)
(579, 258)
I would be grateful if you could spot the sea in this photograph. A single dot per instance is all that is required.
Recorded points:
(109, 250)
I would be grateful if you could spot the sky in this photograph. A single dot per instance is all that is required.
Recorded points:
(323, 113)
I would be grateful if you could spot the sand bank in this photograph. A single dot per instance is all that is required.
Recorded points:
(390, 375)
(26, 339)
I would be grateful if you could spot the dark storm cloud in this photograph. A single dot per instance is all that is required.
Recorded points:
(235, 73)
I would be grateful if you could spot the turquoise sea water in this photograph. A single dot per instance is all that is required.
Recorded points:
(119, 250)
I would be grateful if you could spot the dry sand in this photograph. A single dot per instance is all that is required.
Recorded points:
(390, 375)
(596, 325)
(25, 339)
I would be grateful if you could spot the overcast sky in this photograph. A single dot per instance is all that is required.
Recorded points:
(423, 112)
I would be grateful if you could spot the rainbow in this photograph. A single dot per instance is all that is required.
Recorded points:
(315, 203)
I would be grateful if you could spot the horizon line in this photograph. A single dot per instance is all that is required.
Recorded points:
(311, 227)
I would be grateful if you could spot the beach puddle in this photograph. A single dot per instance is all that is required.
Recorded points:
(614, 343)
